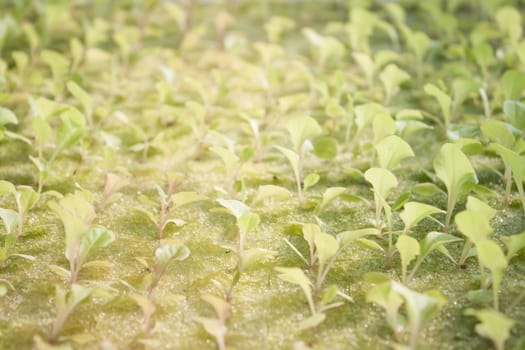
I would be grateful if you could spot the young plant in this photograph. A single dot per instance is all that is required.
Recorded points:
(453, 168)
(82, 237)
(25, 199)
(217, 327)
(156, 268)
(246, 222)
(66, 302)
(420, 308)
(493, 325)
(70, 132)
(323, 252)
(391, 151)
(516, 163)
(114, 183)
(169, 200)
(474, 223)
(301, 129)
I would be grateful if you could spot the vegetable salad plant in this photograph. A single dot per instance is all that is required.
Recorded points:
(345, 175)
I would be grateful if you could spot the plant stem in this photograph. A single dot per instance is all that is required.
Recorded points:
(464, 254)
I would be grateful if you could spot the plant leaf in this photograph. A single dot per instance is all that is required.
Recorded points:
(391, 151)
(414, 212)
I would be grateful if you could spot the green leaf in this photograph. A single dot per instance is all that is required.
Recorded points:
(512, 84)
(59, 63)
(7, 117)
(95, 238)
(231, 160)
(300, 129)
(492, 257)
(296, 276)
(293, 158)
(515, 112)
(509, 22)
(444, 101)
(493, 325)
(414, 212)
(498, 131)
(426, 189)
(384, 296)
(408, 248)
(326, 246)
(325, 147)
(310, 180)
(347, 237)
(392, 77)
(10, 219)
(251, 257)
(391, 151)
(434, 240)
(235, 207)
(248, 221)
(171, 251)
(69, 133)
(454, 169)
(514, 244)
(382, 181)
(312, 321)
(473, 225)
(6, 188)
(26, 198)
(462, 88)
(273, 192)
(76, 295)
(476, 205)
(329, 195)
(420, 307)
(183, 198)
(215, 328)
(76, 214)
(82, 96)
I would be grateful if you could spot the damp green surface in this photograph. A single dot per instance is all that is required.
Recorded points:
(266, 311)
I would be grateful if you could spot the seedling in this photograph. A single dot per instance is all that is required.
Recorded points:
(70, 132)
(82, 237)
(169, 200)
(25, 199)
(420, 308)
(114, 183)
(157, 266)
(217, 327)
(323, 252)
(493, 325)
(66, 302)
(454, 169)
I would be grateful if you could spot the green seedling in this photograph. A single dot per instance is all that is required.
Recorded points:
(156, 267)
(392, 77)
(514, 244)
(493, 325)
(217, 327)
(516, 163)
(59, 66)
(82, 237)
(25, 199)
(453, 168)
(327, 50)
(66, 302)
(391, 151)
(515, 114)
(323, 252)
(70, 132)
(414, 212)
(500, 133)
(329, 195)
(169, 200)
(301, 129)
(474, 223)
(383, 182)
(420, 308)
(512, 84)
(246, 222)
(8, 243)
(114, 183)
(491, 256)
(433, 241)
(7, 117)
(271, 193)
